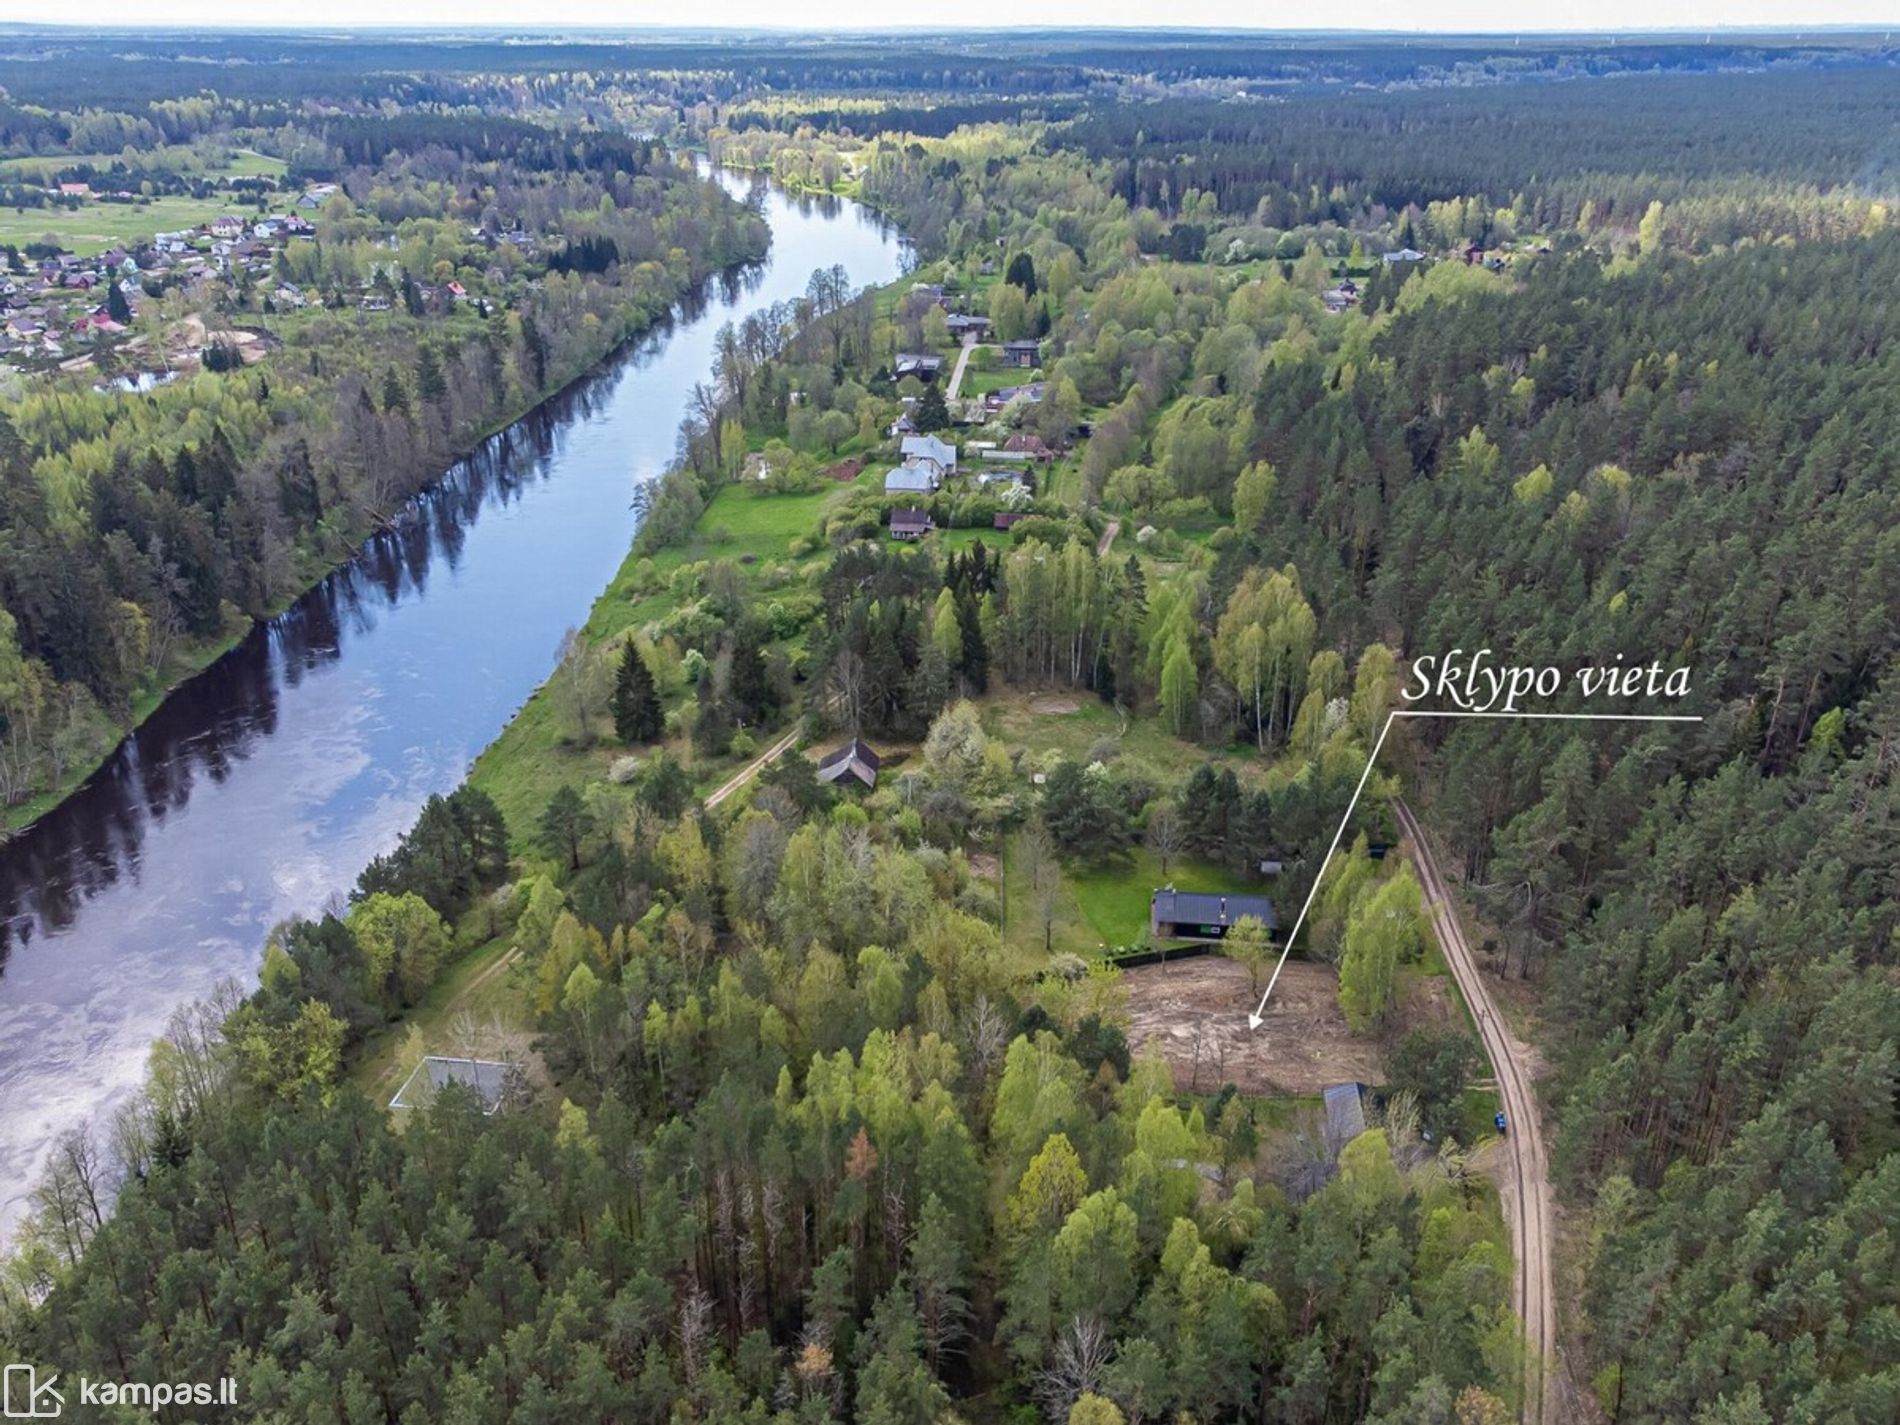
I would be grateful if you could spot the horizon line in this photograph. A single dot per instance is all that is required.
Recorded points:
(1790, 30)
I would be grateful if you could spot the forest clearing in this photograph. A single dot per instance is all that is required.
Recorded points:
(1195, 1011)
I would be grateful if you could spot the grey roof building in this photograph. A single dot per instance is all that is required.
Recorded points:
(1345, 1113)
(487, 1077)
(928, 447)
(910, 480)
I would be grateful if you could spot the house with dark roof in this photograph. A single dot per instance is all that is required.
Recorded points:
(915, 363)
(910, 524)
(1025, 353)
(1202, 915)
(961, 324)
(855, 761)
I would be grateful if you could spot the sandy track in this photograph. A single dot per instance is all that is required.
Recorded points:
(1527, 1185)
(751, 769)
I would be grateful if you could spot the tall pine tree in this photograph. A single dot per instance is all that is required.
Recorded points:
(638, 716)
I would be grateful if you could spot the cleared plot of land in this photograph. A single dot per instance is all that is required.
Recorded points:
(1196, 1012)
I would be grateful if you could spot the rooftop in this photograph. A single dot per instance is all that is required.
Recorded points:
(487, 1077)
(1209, 908)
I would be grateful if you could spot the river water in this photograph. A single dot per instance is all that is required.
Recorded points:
(263, 786)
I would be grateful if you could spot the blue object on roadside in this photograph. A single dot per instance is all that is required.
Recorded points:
(1499, 1120)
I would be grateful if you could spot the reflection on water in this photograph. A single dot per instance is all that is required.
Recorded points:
(260, 789)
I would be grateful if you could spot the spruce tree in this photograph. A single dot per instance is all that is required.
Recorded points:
(638, 716)
(933, 412)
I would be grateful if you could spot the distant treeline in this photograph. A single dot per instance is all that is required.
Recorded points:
(486, 138)
(1310, 160)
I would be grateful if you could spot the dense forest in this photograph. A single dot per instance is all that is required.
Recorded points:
(799, 1125)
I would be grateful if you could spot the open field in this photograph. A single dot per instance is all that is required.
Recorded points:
(93, 226)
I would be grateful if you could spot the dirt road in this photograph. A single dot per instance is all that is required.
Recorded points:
(751, 769)
(970, 344)
(1108, 538)
(1527, 1192)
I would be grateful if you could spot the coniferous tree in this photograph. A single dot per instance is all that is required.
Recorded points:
(933, 412)
(638, 716)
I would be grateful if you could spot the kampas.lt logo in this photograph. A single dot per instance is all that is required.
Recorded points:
(24, 1396)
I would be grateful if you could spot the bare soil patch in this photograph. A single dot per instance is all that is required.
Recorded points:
(1054, 707)
(1196, 1012)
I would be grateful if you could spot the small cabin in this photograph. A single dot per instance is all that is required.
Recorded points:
(910, 524)
(1203, 915)
(1024, 354)
(855, 762)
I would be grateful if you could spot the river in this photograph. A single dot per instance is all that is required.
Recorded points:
(262, 786)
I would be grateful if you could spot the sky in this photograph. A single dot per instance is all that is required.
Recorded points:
(1418, 15)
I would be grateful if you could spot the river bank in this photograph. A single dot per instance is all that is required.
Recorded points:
(262, 787)
(312, 564)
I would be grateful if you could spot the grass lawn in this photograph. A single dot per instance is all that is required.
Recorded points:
(1063, 481)
(93, 227)
(1069, 928)
(962, 539)
(1098, 906)
(249, 163)
(758, 522)
(242, 163)
(1114, 899)
(981, 383)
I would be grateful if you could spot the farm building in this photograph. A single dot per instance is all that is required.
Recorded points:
(1202, 915)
